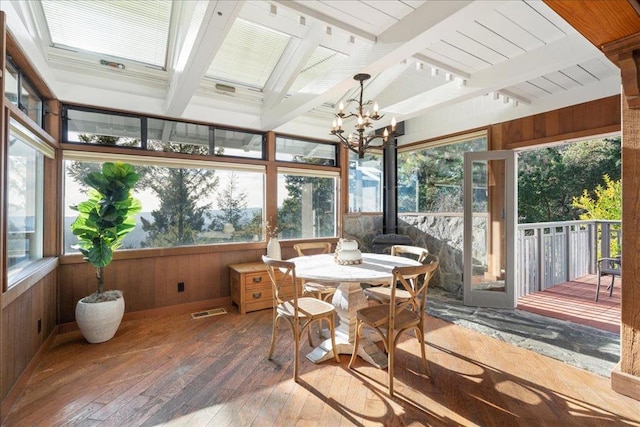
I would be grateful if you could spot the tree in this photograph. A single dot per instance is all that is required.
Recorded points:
(232, 202)
(549, 178)
(542, 192)
(606, 204)
(182, 213)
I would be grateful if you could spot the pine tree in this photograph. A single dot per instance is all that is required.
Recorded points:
(232, 202)
(181, 215)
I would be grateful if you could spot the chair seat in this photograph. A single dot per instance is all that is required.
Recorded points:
(307, 307)
(310, 287)
(382, 294)
(378, 315)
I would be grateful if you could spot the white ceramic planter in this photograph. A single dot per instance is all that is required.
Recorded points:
(99, 321)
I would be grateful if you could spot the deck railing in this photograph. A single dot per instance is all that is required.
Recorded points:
(554, 252)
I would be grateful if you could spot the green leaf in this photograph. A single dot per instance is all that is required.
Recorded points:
(107, 216)
(100, 255)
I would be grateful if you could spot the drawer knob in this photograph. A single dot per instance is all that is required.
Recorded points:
(257, 295)
(257, 279)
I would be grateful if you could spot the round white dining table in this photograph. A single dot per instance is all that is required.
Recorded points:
(375, 269)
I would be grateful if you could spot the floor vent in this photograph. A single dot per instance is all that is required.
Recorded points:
(209, 313)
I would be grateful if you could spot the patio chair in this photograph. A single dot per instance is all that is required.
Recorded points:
(299, 312)
(611, 266)
(382, 294)
(400, 315)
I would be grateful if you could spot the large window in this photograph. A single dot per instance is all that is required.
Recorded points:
(430, 178)
(183, 202)
(95, 127)
(306, 203)
(25, 181)
(303, 151)
(91, 126)
(365, 182)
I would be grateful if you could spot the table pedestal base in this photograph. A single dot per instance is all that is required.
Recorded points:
(348, 299)
(367, 349)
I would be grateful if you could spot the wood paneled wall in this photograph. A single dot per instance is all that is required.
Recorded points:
(21, 338)
(149, 279)
(585, 120)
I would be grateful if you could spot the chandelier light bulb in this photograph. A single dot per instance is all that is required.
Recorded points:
(375, 108)
(393, 123)
(339, 122)
(341, 108)
(334, 125)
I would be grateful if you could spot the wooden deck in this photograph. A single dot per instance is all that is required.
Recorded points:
(575, 301)
(176, 371)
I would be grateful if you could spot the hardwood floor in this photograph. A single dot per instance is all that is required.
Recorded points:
(176, 371)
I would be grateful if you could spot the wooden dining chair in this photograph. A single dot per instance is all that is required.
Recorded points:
(414, 252)
(382, 294)
(299, 312)
(323, 291)
(400, 315)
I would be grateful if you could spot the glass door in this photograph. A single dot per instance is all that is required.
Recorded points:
(490, 219)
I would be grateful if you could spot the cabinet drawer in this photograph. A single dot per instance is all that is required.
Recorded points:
(257, 279)
(258, 297)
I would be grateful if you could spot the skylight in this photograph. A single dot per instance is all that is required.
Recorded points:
(131, 30)
(322, 61)
(248, 55)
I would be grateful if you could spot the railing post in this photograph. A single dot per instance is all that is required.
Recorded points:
(605, 240)
(567, 252)
(593, 245)
(540, 257)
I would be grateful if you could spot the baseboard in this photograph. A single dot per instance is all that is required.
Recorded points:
(21, 383)
(161, 311)
(624, 383)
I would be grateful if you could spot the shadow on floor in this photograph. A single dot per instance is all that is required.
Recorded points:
(582, 346)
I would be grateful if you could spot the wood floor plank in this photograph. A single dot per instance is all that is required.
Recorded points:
(174, 371)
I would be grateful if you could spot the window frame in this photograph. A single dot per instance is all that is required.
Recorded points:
(144, 131)
(314, 173)
(161, 161)
(22, 79)
(336, 149)
(35, 141)
(439, 143)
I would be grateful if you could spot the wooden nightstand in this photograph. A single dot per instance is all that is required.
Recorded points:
(250, 286)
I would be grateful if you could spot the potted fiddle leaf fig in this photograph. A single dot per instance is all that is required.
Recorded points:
(103, 221)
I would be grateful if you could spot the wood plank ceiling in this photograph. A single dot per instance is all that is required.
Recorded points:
(284, 65)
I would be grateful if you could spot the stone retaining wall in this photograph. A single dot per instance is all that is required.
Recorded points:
(441, 234)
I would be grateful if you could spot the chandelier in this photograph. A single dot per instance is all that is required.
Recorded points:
(361, 142)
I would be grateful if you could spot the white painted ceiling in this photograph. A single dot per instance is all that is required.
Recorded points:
(440, 66)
